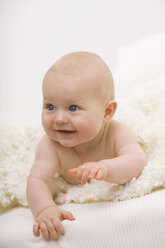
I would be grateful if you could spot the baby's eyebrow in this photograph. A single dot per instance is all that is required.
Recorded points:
(47, 99)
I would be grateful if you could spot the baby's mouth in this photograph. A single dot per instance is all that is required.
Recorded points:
(66, 132)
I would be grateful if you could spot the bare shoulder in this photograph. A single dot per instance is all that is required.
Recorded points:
(125, 140)
(46, 148)
(116, 129)
(46, 160)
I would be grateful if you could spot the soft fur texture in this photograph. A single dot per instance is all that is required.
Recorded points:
(142, 108)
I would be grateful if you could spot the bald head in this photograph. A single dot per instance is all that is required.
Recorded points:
(87, 65)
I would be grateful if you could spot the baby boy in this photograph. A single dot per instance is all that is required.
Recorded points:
(82, 141)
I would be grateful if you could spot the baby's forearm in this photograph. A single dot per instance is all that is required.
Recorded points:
(39, 195)
(122, 169)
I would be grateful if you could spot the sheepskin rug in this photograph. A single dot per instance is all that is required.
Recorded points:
(141, 107)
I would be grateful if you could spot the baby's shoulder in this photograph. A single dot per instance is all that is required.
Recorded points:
(113, 127)
(51, 146)
(116, 129)
(47, 145)
(46, 141)
(122, 135)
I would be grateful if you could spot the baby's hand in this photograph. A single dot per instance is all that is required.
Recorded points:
(97, 170)
(49, 222)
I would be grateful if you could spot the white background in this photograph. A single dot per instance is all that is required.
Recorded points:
(35, 33)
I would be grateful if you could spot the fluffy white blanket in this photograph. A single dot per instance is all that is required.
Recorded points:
(142, 108)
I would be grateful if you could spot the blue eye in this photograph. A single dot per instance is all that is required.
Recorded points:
(51, 107)
(73, 108)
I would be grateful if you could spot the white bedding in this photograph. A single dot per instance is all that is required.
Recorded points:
(135, 223)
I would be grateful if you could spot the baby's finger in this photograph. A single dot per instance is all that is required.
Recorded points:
(44, 231)
(79, 173)
(66, 215)
(36, 228)
(100, 174)
(85, 175)
(92, 173)
(52, 230)
(58, 226)
(72, 171)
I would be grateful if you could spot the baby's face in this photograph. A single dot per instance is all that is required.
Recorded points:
(73, 112)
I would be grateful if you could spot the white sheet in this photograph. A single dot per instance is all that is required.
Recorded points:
(135, 223)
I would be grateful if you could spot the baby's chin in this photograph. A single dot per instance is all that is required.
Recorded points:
(66, 144)
(71, 143)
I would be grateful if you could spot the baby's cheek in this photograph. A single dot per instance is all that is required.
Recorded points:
(46, 123)
(43, 118)
(91, 133)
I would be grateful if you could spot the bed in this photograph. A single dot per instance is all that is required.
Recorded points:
(107, 215)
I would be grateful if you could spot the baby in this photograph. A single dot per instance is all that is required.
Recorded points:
(82, 141)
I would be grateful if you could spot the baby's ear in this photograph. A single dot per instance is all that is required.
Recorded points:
(110, 109)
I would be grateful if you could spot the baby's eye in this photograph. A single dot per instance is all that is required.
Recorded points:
(73, 108)
(50, 107)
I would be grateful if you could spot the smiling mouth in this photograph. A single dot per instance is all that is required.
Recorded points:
(66, 132)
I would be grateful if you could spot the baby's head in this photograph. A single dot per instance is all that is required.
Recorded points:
(78, 94)
(91, 69)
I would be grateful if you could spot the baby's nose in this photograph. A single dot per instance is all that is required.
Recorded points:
(61, 117)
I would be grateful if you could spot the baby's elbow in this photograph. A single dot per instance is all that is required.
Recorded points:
(142, 161)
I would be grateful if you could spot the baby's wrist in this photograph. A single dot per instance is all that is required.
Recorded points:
(43, 209)
(105, 166)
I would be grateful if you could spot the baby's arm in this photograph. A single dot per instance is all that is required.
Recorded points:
(129, 160)
(40, 186)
